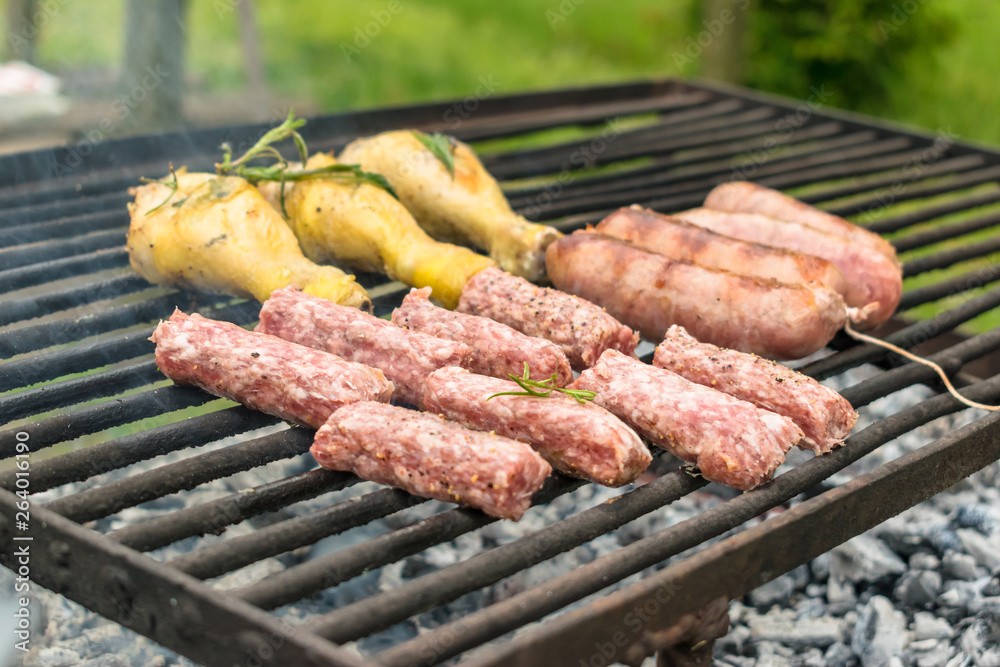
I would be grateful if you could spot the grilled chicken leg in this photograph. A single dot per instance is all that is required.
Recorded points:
(218, 234)
(362, 226)
(467, 208)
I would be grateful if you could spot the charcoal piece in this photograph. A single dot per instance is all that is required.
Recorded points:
(918, 588)
(879, 634)
(961, 566)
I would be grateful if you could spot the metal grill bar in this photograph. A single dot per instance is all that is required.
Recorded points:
(84, 421)
(386, 609)
(758, 554)
(700, 138)
(925, 213)
(291, 534)
(808, 141)
(214, 516)
(120, 452)
(109, 350)
(60, 229)
(531, 605)
(71, 392)
(102, 501)
(31, 307)
(27, 276)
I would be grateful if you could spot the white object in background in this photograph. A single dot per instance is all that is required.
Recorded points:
(27, 92)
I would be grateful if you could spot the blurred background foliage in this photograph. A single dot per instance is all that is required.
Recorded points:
(923, 62)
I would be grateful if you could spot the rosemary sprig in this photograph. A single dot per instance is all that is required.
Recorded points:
(280, 169)
(441, 146)
(543, 388)
(170, 182)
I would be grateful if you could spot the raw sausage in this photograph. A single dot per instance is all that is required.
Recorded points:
(431, 457)
(582, 440)
(497, 349)
(824, 416)
(731, 441)
(583, 330)
(650, 292)
(406, 357)
(262, 372)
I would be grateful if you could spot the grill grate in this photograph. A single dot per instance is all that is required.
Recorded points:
(77, 364)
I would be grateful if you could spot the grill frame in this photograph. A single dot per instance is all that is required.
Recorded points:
(60, 545)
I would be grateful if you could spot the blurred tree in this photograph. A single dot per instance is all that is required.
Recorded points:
(852, 47)
(153, 72)
(22, 33)
(726, 21)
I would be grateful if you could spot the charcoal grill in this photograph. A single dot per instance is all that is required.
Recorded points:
(76, 361)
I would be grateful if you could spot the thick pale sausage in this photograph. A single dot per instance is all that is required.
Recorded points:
(678, 239)
(262, 372)
(650, 292)
(431, 457)
(824, 416)
(874, 283)
(744, 197)
(731, 441)
(582, 440)
(583, 330)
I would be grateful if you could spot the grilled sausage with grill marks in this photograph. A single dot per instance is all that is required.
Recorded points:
(262, 372)
(731, 441)
(678, 239)
(824, 416)
(497, 349)
(874, 283)
(583, 330)
(582, 440)
(650, 292)
(744, 197)
(431, 457)
(406, 357)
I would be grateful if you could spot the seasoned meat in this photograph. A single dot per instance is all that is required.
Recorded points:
(583, 330)
(731, 441)
(874, 283)
(406, 357)
(497, 349)
(262, 372)
(360, 225)
(824, 416)
(464, 205)
(650, 292)
(744, 197)
(431, 457)
(582, 440)
(678, 239)
(218, 234)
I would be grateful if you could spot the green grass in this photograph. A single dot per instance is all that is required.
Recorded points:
(438, 49)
